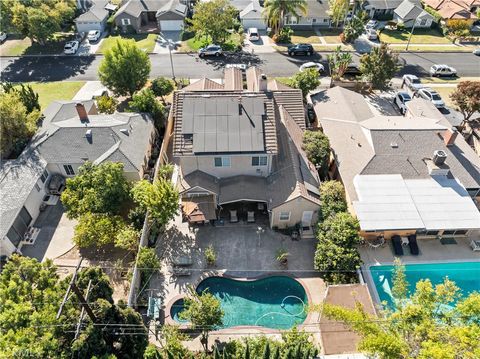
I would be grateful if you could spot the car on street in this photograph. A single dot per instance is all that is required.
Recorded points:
(352, 70)
(371, 24)
(371, 34)
(412, 82)
(210, 50)
(252, 34)
(476, 51)
(3, 37)
(312, 65)
(431, 95)
(400, 99)
(70, 47)
(300, 49)
(94, 35)
(442, 70)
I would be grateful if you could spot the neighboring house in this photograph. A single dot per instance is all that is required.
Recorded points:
(472, 135)
(71, 134)
(239, 146)
(251, 16)
(317, 15)
(409, 13)
(383, 9)
(95, 16)
(402, 175)
(151, 15)
(455, 9)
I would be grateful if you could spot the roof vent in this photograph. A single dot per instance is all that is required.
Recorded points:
(124, 131)
(439, 157)
(394, 145)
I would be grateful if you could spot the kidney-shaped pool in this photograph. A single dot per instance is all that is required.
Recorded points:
(276, 302)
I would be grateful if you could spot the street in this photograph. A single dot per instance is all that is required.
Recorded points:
(59, 68)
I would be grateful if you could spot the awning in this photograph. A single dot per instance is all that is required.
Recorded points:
(199, 209)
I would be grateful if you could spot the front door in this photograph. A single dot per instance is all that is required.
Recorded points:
(307, 218)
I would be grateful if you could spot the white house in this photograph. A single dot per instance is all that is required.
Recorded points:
(95, 17)
(251, 16)
(410, 13)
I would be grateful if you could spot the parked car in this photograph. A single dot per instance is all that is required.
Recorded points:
(371, 34)
(371, 24)
(442, 70)
(94, 35)
(300, 49)
(242, 67)
(431, 95)
(400, 99)
(412, 82)
(3, 37)
(252, 34)
(476, 51)
(312, 65)
(353, 70)
(71, 47)
(210, 50)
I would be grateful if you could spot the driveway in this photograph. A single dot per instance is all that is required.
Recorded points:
(88, 90)
(161, 45)
(87, 48)
(264, 45)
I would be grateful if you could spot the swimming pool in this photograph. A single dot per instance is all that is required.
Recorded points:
(466, 275)
(276, 302)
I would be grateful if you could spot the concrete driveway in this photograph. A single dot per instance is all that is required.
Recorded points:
(161, 45)
(88, 90)
(87, 48)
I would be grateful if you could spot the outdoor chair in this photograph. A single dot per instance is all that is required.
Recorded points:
(397, 245)
(412, 243)
(233, 217)
(475, 245)
(250, 217)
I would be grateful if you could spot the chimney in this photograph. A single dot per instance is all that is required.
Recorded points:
(262, 83)
(449, 137)
(82, 113)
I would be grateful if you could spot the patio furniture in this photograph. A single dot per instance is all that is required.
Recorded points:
(31, 235)
(233, 217)
(250, 217)
(397, 245)
(475, 244)
(412, 243)
(181, 272)
(377, 242)
(182, 261)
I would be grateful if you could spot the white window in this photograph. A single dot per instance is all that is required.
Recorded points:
(259, 160)
(44, 176)
(69, 170)
(291, 20)
(325, 20)
(284, 216)
(125, 22)
(222, 161)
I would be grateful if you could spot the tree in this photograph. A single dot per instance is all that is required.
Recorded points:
(159, 198)
(162, 86)
(467, 98)
(355, 27)
(379, 66)
(106, 104)
(127, 238)
(338, 62)
(17, 125)
(147, 261)
(37, 19)
(317, 147)
(125, 68)
(274, 11)
(458, 28)
(336, 256)
(97, 229)
(306, 81)
(213, 19)
(146, 102)
(97, 189)
(332, 195)
(28, 97)
(433, 323)
(337, 9)
(204, 312)
(101, 288)
(173, 339)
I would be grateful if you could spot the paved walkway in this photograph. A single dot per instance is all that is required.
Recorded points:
(88, 90)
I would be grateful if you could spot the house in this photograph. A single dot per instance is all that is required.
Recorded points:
(240, 147)
(95, 16)
(151, 15)
(402, 175)
(455, 9)
(71, 134)
(251, 16)
(383, 9)
(317, 15)
(409, 13)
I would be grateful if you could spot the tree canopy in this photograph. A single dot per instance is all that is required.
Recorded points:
(338, 62)
(306, 81)
(355, 27)
(337, 9)
(467, 98)
(145, 101)
(379, 66)
(125, 68)
(332, 195)
(96, 189)
(274, 11)
(162, 86)
(97, 229)
(317, 147)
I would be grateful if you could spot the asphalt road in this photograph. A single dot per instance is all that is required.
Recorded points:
(51, 68)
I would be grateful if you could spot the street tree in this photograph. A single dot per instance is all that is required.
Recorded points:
(336, 255)
(307, 80)
(162, 87)
(160, 198)
(38, 20)
(467, 98)
(274, 12)
(97, 229)
(332, 196)
(337, 10)
(125, 68)
(97, 189)
(338, 62)
(317, 147)
(379, 66)
(212, 20)
(355, 27)
(203, 311)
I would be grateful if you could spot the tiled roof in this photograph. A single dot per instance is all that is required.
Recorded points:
(204, 84)
(233, 79)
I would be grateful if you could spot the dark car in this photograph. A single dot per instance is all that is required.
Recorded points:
(300, 49)
(353, 70)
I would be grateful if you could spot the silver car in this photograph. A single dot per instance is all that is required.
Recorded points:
(412, 82)
(210, 50)
(431, 95)
(401, 98)
(442, 70)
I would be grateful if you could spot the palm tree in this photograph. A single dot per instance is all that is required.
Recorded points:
(274, 11)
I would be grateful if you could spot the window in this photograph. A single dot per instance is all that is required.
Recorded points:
(284, 216)
(69, 170)
(314, 20)
(461, 232)
(423, 22)
(37, 187)
(125, 22)
(259, 160)
(325, 20)
(44, 176)
(19, 227)
(222, 161)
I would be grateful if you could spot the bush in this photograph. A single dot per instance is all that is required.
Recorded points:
(97, 229)
(136, 216)
(147, 262)
(282, 256)
(127, 238)
(284, 36)
(306, 81)
(317, 148)
(145, 101)
(162, 86)
(106, 104)
(165, 171)
(332, 196)
(210, 255)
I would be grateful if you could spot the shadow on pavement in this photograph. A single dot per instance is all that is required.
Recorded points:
(240, 57)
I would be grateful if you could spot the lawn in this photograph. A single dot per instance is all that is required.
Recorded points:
(193, 44)
(331, 36)
(432, 48)
(145, 42)
(308, 36)
(16, 46)
(56, 90)
(420, 36)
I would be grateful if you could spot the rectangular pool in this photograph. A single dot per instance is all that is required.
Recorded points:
(466, 275)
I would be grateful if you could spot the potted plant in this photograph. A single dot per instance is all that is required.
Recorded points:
(282, 257)
(210, 255)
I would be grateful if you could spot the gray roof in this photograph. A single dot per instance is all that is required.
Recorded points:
(409, 11)
(96, 12)
(242, 187)
(200, 179)
(383, 4)
(317, 9)
(240, 4)
(136, 7)
(173, 6)
(252, 11)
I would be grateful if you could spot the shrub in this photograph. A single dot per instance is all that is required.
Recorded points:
(162, 86)
(127, 238)
(147, 262)
(210, 255)
(136, 216)
(317, 148)
(97, 229)
(282, 256)
(332, 195)
(145, 101)
(107, 104)
(284, 36)
(306, 81)
(165, 171)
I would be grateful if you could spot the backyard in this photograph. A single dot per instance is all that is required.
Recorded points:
(420, 36)
(145, 42)
(56, 90)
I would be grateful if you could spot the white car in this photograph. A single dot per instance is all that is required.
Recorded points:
(70, 47)
(431, 95)
(94, 35)
(371, 24)
(442, 70)
(252, 34)
(476, 51)
(3, 37)
(242, 67)
(371, 34)
(412, 82)
(401, 98)
(312, 65)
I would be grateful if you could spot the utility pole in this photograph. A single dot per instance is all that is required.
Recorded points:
(411, 33)
(169, 44)
(67, 293)
(82, 314)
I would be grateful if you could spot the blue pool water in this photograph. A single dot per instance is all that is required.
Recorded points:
(276, 302)
(466, 275)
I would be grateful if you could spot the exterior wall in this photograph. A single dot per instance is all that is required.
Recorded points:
(257, 23)
(296, 207)
(307, 22)
(88, 26)
(409, 23)
(6, 247)
(57, 168)
(134, 22)
(239, 165)
(132, 176)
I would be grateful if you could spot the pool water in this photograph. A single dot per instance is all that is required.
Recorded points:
(276, 302)
(466, 275)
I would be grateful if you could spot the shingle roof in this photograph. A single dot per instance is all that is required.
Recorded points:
(409, 11)
(96, 12)
(173, 6)
(316, 8)
(252, 11)
(383, 4)
(136, 7)
(200, 179)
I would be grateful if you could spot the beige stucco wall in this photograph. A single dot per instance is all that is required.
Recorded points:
(296, 207)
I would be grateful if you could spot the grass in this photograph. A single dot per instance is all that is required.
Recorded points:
(331, 36)
(56, 90)
(420, 36)
(193, 45)
(433, 48)
(17, 46)
(447, 80)
(145, 42)
(308, 36)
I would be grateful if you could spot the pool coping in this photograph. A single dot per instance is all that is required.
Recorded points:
(170, 321)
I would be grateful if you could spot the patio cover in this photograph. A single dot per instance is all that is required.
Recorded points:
(199, 209)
